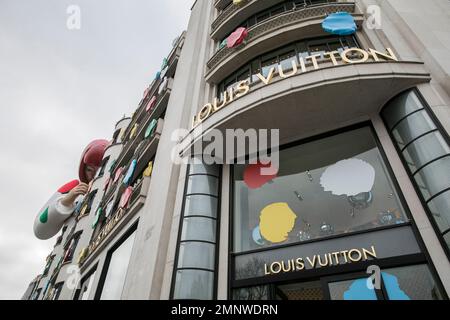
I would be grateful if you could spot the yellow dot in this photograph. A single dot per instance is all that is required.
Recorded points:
(276, 221)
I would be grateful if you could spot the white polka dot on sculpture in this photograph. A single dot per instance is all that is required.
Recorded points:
(348, 177)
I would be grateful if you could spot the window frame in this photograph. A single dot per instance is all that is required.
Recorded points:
(217, 219)
(440, 128)
(83, 280)
(106, 264)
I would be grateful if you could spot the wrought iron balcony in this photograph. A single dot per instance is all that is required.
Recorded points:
(271, 25)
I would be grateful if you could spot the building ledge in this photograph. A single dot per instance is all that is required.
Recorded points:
(315, 101)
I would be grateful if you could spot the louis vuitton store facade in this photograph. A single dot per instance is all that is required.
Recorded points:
(310, 233)
(363, 186)
(316, 229)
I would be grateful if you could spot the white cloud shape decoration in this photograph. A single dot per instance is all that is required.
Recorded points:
(348, 177)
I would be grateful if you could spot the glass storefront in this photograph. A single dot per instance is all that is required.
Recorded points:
(194, 274)
(336, 185)
(310, 231)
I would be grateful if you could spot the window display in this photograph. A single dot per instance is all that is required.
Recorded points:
(327, 187)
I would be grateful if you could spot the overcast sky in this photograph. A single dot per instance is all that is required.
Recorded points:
(60, 89)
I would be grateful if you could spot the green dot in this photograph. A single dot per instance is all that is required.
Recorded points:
(44, 216)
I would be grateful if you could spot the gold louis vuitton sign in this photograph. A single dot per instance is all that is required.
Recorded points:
(320, 260)
(309, 63)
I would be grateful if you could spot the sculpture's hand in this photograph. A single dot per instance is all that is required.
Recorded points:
(70, 198)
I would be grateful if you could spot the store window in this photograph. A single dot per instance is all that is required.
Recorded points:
(86, 285)
(404, 283)
(425, 150)
(115, 269)
(414, 282)
(71, 246)
(332, 186)
(57, 291)
(195, 266)
(48, 265)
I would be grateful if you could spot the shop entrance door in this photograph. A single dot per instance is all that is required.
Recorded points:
(401, 283)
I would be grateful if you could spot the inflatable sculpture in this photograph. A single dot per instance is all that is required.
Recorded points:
(62, 204)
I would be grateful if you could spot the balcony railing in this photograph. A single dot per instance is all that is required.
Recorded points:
(145, 151)
(131, 145)
(222, 4)
(108, 231)
(280, 21)
(226, 13)
(231, 10)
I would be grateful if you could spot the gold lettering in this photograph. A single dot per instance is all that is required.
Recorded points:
(318, 260)
(332, 56)
(222, 103)
(231, 93)
(302, 65)
(284, 268)
(242, 88)
(205, 112)
(344, 55)
(313, 262)
(292, 73)
(351, 55)
(336, 257)
(389, 56)
(272, 267)
(367, 253)
(314, 60)
(358, 254)
(266, 272)
(300, 265)
(323, 264)
(269, 78)
(344, 254)
(194, 122)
